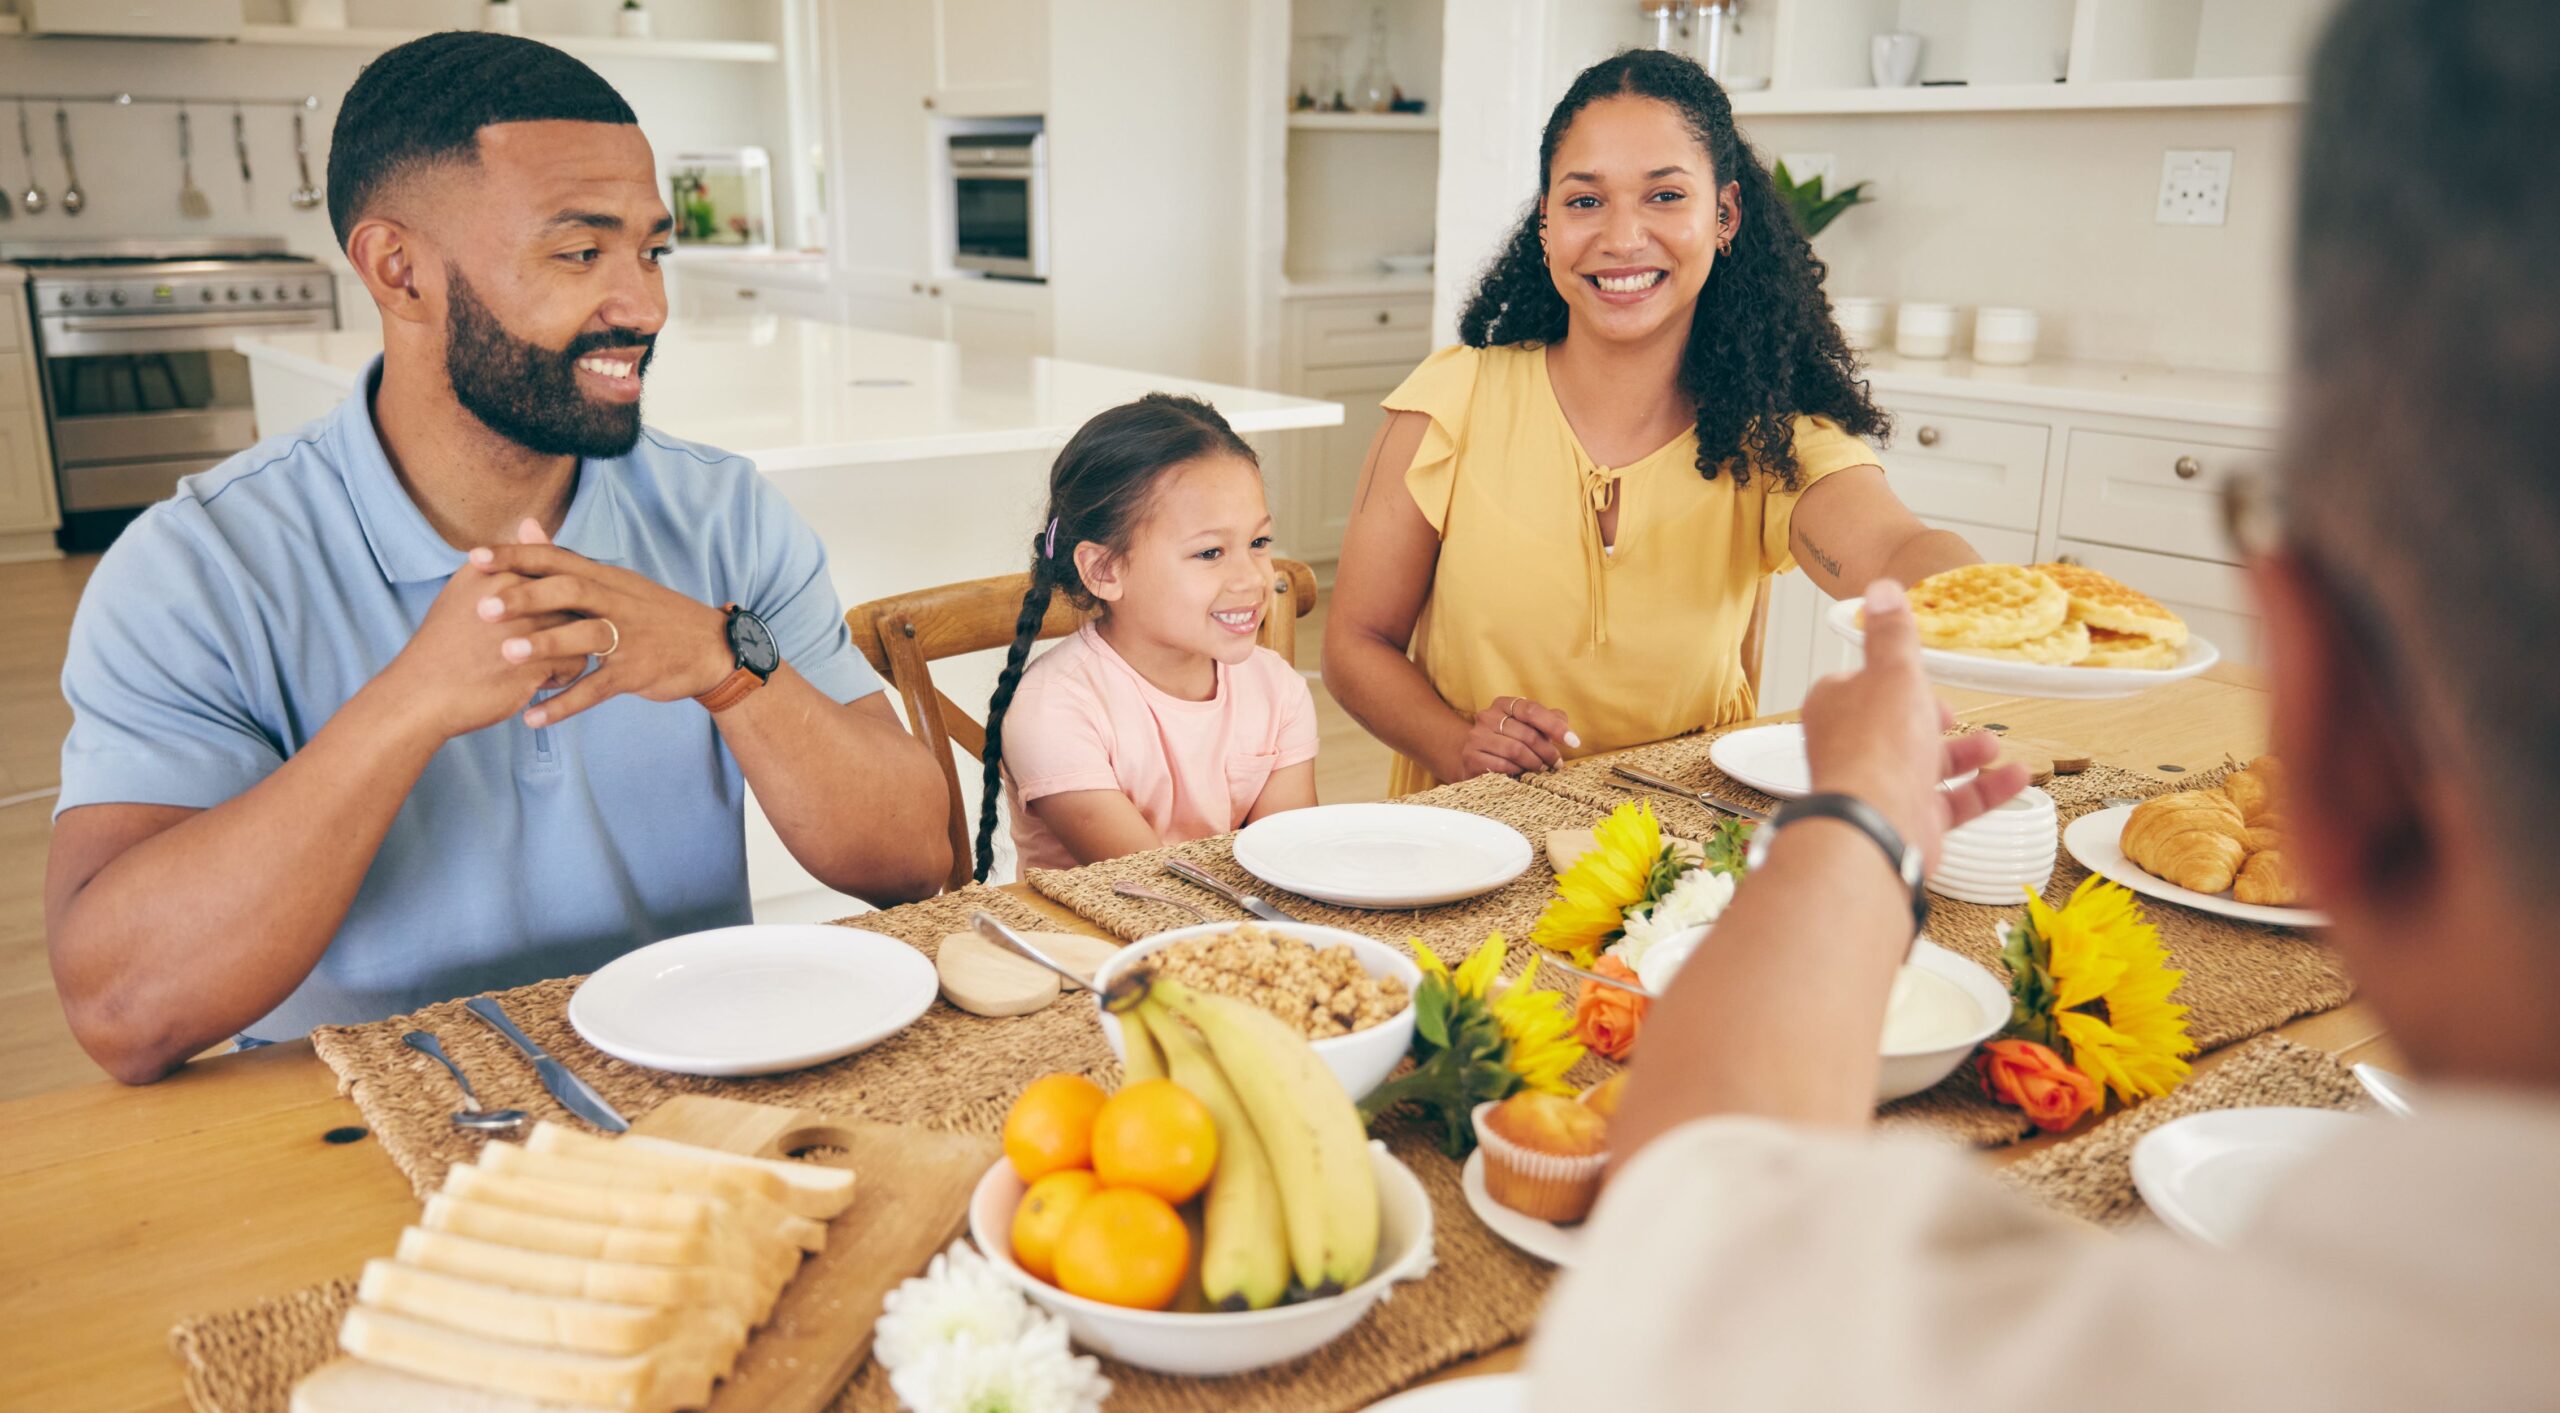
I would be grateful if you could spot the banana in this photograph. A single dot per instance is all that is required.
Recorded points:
(1306, 1126)
(1244, 1253)
(1146, 1058)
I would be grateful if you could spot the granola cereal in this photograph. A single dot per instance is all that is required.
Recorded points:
(1324, 991)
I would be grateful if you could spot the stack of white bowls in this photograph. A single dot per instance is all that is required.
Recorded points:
(2007, 850)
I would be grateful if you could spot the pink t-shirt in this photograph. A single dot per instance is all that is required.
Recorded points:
(1083, 719)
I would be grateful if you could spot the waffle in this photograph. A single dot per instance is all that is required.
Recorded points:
(1987, 606)
(2103, 602)
(2109, 648)
(2065, 646)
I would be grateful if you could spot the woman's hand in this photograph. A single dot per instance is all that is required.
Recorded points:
(1878, 734)
(1513, 736)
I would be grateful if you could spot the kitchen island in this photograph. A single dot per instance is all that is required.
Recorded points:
(918, 461)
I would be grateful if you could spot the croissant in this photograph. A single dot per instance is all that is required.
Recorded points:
(2257, 789)
(2267, 878)
(2194, 838)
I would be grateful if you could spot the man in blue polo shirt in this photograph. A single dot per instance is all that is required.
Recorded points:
(456, 688)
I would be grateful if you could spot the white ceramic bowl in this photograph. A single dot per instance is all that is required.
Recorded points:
(1362, 1060)
(1225, 1342)
(1907, 1072)
(2009, 884)
(1998, 856)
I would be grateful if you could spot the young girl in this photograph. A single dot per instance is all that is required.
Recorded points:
(1161, 720)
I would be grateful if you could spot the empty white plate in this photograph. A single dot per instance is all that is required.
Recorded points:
(2027, 679)
(1485, 1393)
(1382, 856)
(2096, 840)
(1771, 760)
(2206, 1175)
(1544, 1240)
(753, 1000)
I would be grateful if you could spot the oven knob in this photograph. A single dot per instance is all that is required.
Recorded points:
(66, 299)
(89, 298)
(306, 291)
(284, 292)
(208, 294)
(257, 294)
(232, 294)
(115, 296)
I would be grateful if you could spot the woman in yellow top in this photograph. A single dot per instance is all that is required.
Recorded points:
(1565, 522)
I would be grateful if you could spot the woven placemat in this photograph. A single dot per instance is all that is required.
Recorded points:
(2243, 979)
(950, 1070)
(2092, 1176)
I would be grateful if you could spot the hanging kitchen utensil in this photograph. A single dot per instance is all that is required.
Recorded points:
(192, 202)
(27, 148)
(306, 195)
(72, 197)
(240, 142)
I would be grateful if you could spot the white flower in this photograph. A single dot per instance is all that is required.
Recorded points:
(959, 1296)
(1696, 898)
(1034, 1373)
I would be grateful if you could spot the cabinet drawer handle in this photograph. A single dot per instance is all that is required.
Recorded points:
(1928, 436)
(2188, 468)
(935, 291)
(916, 288)
(928, 102)
(2067, 559)
(744, 293)
(1383, 316)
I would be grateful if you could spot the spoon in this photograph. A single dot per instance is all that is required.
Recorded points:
(471, 1118)
(987, 926)
(72, 197)
(27, 148)
(306, 195)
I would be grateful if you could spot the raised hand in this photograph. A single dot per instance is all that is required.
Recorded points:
(453, 675)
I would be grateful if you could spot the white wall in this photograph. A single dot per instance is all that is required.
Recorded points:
(128, 157)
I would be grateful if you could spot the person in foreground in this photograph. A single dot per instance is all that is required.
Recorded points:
(1163, 720)
(455, 688)
(1756, 1250)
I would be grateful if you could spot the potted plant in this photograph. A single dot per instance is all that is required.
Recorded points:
(1812, 209)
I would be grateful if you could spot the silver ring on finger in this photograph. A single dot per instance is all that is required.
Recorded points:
(1506, 711)
(613, 646)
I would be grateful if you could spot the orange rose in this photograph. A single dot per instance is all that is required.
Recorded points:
(1607, 1018)
(2031, 1077)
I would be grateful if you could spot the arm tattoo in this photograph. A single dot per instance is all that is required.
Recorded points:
(1814, 552)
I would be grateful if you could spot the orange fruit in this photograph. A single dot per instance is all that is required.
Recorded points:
(1154, 1136)
(1050, 1126)
(1122, 1246)
(1043, 1215)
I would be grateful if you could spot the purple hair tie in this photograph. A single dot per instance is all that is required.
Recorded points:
(1049, 543)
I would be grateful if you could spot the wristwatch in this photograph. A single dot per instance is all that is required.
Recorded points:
(752, 645)
(1850, 810)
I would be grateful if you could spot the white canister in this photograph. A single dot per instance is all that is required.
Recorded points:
(1924, 330)
(320, 14)
(2002, 335)
(501, 17)
(1893, 60)
(631, 22)
(1861, 321)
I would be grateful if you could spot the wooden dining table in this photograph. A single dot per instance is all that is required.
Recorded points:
(245, 1176)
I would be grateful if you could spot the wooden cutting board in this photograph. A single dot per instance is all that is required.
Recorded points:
(988, 979)
(911, 1197)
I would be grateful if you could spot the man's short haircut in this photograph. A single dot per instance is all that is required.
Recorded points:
(2420, 468)
(426, 101)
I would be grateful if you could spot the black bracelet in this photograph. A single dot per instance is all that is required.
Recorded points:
(1849, 809)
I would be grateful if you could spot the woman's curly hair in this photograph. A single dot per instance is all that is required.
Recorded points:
(1762, 348)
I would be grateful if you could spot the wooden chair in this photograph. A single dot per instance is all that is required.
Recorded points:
(903, 634)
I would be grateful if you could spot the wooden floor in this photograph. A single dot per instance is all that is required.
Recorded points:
(37, 1053)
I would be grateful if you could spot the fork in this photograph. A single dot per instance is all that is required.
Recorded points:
(1132, 890)
(1198, 878)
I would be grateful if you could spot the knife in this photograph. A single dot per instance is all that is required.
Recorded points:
(1551, 959)
(1193, 875)
(1673, 787)
(572, 1092)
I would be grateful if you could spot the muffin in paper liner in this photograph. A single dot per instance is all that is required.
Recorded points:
(1551, 1187)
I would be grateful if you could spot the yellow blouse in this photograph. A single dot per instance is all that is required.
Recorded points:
(1635, 643)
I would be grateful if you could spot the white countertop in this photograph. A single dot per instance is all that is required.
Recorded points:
(793, 394)
(1368, 286)
(2127, 389)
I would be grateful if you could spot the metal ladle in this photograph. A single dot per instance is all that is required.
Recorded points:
(471, 1118)
(72, 197)
(34, 198)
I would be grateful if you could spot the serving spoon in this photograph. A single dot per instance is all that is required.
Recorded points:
(471, 1118)
(34, 197)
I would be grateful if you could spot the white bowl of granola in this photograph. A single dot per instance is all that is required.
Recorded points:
(1360, 1037)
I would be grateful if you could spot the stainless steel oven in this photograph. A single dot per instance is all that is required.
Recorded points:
(141, 383)
(1000, 203)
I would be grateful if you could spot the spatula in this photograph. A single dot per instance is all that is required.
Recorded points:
(192, 202)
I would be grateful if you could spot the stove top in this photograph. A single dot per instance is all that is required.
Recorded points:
(82, 262)
(107, 278)
(77, 254)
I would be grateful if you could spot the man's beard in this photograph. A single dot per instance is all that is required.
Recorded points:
(529, 394)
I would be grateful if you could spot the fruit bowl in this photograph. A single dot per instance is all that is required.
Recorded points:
(1362, 1060)
(1217, 1342)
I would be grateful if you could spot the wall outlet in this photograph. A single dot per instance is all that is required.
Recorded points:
(2195, 187)
(1805, 166)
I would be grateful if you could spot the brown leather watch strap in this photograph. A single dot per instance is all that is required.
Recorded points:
(732, 690)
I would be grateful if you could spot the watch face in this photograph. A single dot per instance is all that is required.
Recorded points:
(753, 643)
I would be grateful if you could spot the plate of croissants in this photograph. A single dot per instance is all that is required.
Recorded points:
(2217, 850)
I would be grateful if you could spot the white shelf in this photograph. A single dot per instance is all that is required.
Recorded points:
(1365, 122)
(585, 46)
(1996, 98)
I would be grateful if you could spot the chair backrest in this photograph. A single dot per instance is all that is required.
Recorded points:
(903, 634)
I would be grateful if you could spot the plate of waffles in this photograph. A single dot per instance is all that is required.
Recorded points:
(2043, 630)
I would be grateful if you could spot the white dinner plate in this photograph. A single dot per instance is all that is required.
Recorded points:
(1544, 1240)
(2027, 679)
(1381, 855)
(2206, 1175)
(1488, 1393)
(753, 1000)
(1771, 760)
(2096, 840)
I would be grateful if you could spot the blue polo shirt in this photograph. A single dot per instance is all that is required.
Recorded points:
(230, 622)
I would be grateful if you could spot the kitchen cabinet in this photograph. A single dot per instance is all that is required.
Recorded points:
(29, 509)
(984, 316)
(1353, 349)
(990, 58)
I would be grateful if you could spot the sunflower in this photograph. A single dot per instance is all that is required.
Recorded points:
(1592, 897)
(1539, 1026)
(2092, 980)
(1472, 1046)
